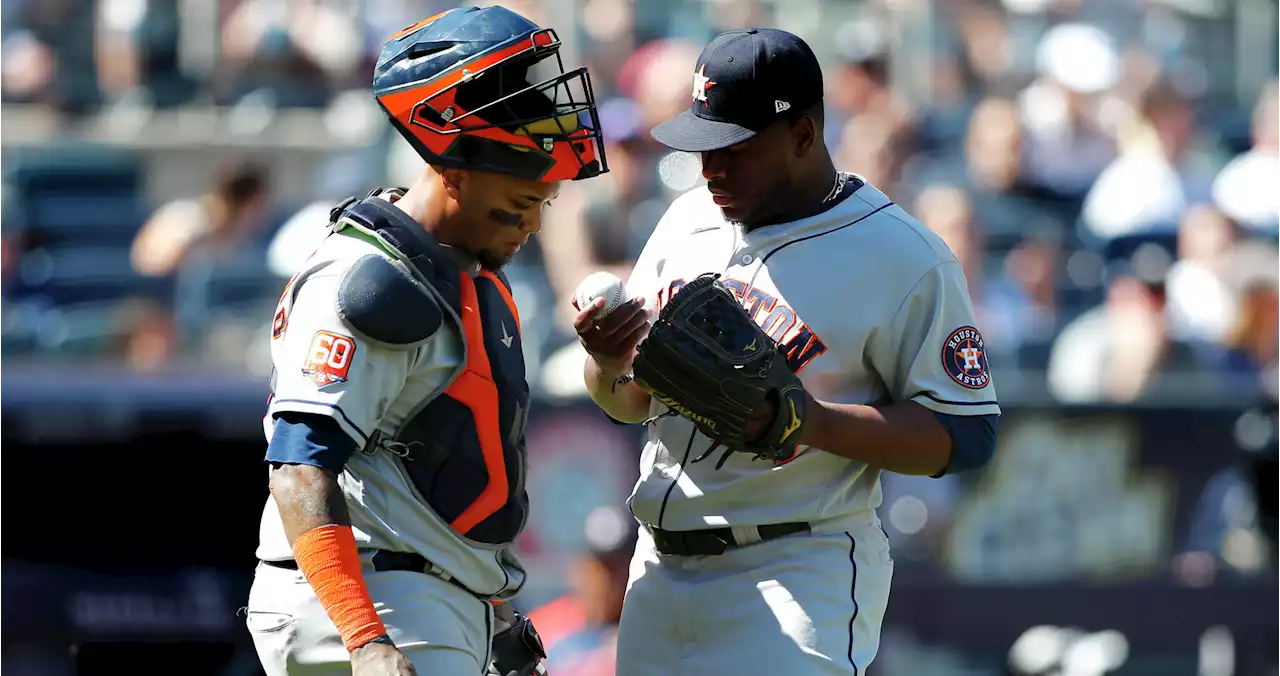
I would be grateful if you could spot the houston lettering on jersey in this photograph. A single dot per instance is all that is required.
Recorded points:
(779, 321)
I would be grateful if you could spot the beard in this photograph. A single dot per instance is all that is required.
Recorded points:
(492, 260)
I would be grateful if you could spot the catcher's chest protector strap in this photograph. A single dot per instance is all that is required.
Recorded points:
(464, 449)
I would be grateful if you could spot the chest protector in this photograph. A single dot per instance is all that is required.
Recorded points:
(464, 448)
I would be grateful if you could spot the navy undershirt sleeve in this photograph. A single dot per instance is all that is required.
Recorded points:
(973, 441)
(309, 439)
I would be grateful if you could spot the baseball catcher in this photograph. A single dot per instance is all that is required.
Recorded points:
(706, 359)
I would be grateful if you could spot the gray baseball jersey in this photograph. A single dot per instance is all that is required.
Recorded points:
(323, 367)
(861, 293)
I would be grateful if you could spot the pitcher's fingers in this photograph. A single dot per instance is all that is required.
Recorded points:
(584, 320)
(635, 336)
(621, 315)
(617, 334)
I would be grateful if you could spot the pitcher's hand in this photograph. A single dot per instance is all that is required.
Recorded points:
(612, 339)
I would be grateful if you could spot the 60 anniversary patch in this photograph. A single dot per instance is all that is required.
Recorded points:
(964, 356)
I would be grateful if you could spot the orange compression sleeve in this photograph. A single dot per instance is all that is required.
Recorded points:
(327, 556)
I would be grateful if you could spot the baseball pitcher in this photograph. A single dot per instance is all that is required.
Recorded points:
(760, 550)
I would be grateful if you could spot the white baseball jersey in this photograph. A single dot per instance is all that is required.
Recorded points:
(323, 368)
(861, 292)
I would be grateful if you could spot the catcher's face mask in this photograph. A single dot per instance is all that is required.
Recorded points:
(486, 89)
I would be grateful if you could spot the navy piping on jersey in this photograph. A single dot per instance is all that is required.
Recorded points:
(853, 596)
(662, 511)
(856, 221)
(364, 437)
(948, 402)
(488, 629)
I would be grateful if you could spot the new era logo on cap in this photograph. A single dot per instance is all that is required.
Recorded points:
(745, 81)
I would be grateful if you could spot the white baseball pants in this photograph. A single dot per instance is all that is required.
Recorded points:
(441, 628)
(801, 605)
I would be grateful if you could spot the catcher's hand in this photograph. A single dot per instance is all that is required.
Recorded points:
(707, 360)
(517, 650)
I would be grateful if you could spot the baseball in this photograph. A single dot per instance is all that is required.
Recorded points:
(600, 285)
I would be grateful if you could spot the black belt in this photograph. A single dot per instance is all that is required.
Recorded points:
(384, 560)
(713, 541)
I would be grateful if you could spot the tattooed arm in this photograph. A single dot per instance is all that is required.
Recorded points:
(306, 453)
(308, 497)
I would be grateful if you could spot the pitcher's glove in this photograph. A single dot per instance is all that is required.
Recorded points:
(707, 360)
(517, 650)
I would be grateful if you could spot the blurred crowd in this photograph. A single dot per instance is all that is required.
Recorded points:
(1093, 164)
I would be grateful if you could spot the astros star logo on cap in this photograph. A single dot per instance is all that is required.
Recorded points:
(700, 84)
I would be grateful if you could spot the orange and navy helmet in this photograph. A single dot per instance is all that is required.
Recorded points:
(458, 87)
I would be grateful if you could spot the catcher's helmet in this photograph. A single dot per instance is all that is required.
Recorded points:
(456, 86)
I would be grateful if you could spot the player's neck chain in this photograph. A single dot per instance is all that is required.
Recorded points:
(833, 196)
(837, 188)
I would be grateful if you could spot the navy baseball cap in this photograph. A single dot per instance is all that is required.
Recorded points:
(744, 81)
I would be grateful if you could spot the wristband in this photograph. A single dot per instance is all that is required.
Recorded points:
(328, 557)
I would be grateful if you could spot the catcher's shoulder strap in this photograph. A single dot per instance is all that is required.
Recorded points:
(394, 297)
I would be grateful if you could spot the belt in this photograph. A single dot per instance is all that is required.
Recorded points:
(384, 560)
(714, 541)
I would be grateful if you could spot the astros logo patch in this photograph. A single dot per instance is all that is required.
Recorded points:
(329, 358)
(964, 356)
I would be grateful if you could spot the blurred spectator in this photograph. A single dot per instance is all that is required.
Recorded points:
(1200, 305)
(1222, 521)
(579, 630)
(1066, 142)
(989, 165)
(48, 55)
(873, 146)
(1112, 352)
(148, 335)
(28, 68)
(1245, 189)
(190, 242)
(287, 54)
(859, 85)
(136, 52)
(1254, 270)
(986, 46)
(1020, 308)
(659, 77)
(610, 27)
(1146, 189)
(218, 221)
(993, 146)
